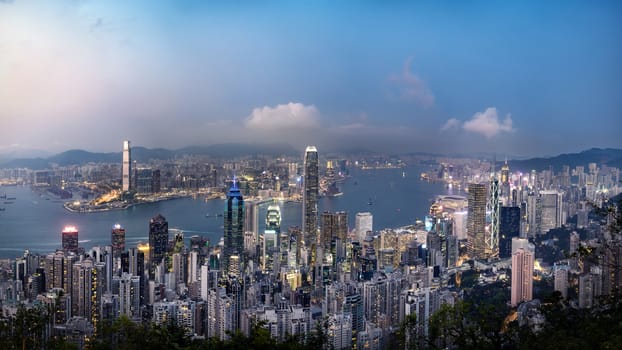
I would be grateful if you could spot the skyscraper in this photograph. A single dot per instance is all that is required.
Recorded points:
(233, 226)
(363, 224)
(333, 229)
(492, 237)
(522, 272)
(310, 197)
(476, 221)
(70, 239)
(509, 227)
(271, 237)
(158, 239)
(118, 240)
(126, 167)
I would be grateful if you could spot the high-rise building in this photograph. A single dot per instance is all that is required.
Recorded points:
(363, 224)
(560, 272)
(522, 273)
(233, 226)
(70, 239)
(129, 295)
(158, 239)
(310, 197)
(333, 232)
(88, 285)
(476, 221)
(126, 167)
(492, 237)
(118, 240)
(271, 237)
(144, 181)
(509, 227)
(551, 210)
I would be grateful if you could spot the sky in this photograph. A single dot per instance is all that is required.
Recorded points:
(518, 78)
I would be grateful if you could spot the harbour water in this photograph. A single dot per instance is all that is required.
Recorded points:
(395, 197)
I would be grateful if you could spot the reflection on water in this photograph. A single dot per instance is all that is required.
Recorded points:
(30, 223)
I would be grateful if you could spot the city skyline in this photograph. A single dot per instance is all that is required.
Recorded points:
(525, 79)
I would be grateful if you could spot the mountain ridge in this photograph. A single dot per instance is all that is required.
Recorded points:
(601, 156)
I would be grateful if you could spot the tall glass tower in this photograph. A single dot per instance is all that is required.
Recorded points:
(271, 237)
(158, 239)
(126, 169)
(310, 197)
(233, 226)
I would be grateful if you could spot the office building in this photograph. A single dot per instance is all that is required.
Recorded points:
(333, 233)
(126, 167)
(363, 224)
(118, 241)
(158, 240)
(310, 197)
(509, 227)
(233, 227)
(476, 221)
(271, 238)
(70, 239)
(492, 236)
(551, 207)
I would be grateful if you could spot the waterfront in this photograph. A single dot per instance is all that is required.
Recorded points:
(32, 222)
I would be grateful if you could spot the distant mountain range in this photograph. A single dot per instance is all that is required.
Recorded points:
(601, 156)
(607, 156)
(143, 155)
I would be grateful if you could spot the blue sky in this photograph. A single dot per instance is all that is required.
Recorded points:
(518, 78)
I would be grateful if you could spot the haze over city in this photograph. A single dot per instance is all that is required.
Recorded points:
(523, 78)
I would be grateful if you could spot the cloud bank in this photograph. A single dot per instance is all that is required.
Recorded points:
(292, 115)
(485, 123)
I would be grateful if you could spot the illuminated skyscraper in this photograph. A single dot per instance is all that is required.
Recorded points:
(271, 237)
(310, 197)
(476, 221)
(126, 167)
(70, 239)
(522, 274)
(233, 226)
(118, 240)
(158, 239)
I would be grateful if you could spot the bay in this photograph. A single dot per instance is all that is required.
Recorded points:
(31, 221)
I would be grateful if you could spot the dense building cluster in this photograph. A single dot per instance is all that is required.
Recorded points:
(358, 283)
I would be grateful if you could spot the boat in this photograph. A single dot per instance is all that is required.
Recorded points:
(370, 202)
(403, 174)
(8, 202)
(2, 209)
(10, 198)
(3, 196)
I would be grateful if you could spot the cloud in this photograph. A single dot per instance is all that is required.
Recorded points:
(411, 87)
(452, 123)
(487, 123)
(284, 116)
